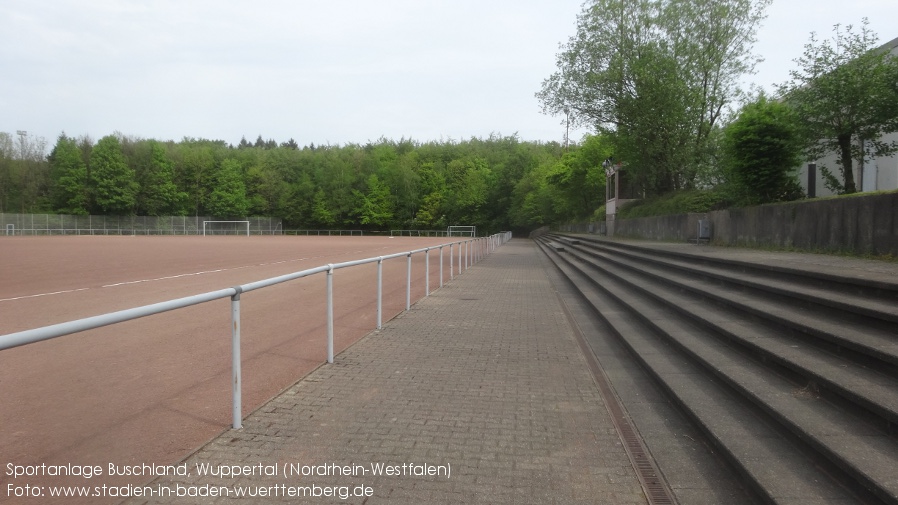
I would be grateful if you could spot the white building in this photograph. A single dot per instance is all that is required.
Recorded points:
(878, 174)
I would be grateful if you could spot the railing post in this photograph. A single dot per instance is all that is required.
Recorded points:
(427, 272)
(380, 291)
(330, 313)
(408, 284)
(451, 273)
(459, 258)
(441, 266)
(237, 383)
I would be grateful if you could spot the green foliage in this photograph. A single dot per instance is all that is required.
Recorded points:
(845, 96)
(322, 217)
(497, 183)
(679, 202)
(157, 195)
(228, 199)
(114, 182)
(655, 76)
(762, 148)
(69, 191)
(194, 169)
(374, 208)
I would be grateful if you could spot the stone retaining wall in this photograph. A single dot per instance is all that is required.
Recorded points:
(861, 225)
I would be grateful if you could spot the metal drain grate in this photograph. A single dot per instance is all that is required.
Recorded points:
(657, 492)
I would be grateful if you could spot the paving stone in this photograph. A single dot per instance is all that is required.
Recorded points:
(481, 383)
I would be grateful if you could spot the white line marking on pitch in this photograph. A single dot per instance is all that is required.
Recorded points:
(42, 294)
(125, 283)
(164, 278)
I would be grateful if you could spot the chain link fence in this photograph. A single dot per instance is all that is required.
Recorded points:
(61, 224)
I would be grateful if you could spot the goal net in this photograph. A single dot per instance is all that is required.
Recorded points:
(225, 228)
(461, 231)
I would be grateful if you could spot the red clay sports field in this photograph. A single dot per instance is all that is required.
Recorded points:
(154, 389)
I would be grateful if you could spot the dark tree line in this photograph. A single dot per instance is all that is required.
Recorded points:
(496, 183)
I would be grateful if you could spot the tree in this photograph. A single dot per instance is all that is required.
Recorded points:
(6, 171)
(376, 206)
(194, 169)
(24, 173)
(321, 213)
(266, 179)
(763, 148)
(228, 197)
(655, 75)
(431, 210)
(579, 179)
(846, 98)
(468, 181)
(114, 184)
(69, 192)
(158, 195)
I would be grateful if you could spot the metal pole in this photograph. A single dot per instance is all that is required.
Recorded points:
(451, 273)
(380, 290)
(427, 272)
(408, 284)
(441, 266)
(330, 313)
(237, 409)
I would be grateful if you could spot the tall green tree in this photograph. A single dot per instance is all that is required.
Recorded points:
(374, 208)
(578, 178)
(228, 198)
(468, 181)
(158, 195)
(763, 149)
(655, 75)
(7, 186)
(431, 213)
(266, 184)
(194, 173)
(69, 190)
(322, 216)
(846, 97)
(114, 183)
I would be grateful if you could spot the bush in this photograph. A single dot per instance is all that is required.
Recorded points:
(680, 202)
(762, 149)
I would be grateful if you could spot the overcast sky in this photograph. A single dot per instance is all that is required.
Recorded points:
(335, 71)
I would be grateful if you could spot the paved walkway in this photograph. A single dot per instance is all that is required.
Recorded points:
(482, 385)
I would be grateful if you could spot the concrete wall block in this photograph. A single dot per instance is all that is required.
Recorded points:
(861, 225)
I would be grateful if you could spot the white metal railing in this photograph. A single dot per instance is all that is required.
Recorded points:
(473, 250)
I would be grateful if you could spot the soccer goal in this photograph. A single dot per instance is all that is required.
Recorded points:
(461, 231)
(225, 228)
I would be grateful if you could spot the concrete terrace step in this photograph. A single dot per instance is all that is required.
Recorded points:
(869, 389)
(877, 298)
(752, 310)
(773, 467)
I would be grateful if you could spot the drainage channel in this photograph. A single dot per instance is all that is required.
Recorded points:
(657, 491)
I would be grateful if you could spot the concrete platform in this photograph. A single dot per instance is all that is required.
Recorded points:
(478, 394)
